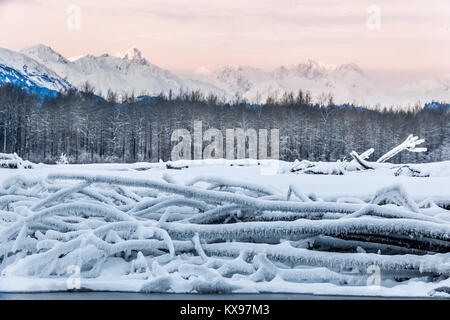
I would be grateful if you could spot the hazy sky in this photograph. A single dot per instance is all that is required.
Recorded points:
(182, 35)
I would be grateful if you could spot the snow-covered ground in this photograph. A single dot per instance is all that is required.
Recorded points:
(224, 228)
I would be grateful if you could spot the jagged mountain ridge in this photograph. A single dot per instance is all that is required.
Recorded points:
(346, 82)
(42, 67)
(19, 69)
(131, 73)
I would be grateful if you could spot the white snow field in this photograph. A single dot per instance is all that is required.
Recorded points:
(227, 227)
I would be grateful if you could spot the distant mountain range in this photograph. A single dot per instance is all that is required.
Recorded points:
(347, 82)
(43, 70)
(131, 73)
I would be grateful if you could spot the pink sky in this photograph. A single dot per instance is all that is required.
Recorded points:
(182, 35)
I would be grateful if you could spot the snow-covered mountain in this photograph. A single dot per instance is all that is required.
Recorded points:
(19, 69)
(235, 79)
(346, 82)
(436, 89)
(131, 73)
(41, 67)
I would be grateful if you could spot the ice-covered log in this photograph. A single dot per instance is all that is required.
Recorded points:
(423, 231)
(221, 182)
(13, 161)
(409, 144)
(203, 237)
(395, 194)
(214, 215)
(364, 156)
(176, 202)
(437, 264)
(327, 243)
(311, 209)
(294, 190)
(363, 163)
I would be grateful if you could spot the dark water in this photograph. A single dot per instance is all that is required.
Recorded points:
(143, 296)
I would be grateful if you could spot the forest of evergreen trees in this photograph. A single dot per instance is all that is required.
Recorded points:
(88, 128)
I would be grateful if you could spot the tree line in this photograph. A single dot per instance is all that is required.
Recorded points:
(90, 129)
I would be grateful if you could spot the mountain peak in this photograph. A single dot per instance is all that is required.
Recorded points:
(316, 65)
(40, 48)
(202, 71)
(134, 54)
(350, 67)
(22, 69)
(313, 69)
(43, 53)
